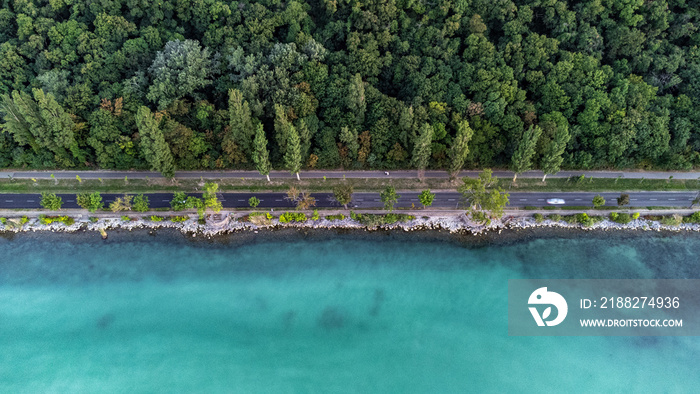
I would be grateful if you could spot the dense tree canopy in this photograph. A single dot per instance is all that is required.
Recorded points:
(609, 83)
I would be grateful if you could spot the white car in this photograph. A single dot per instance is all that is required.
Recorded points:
(555, 201)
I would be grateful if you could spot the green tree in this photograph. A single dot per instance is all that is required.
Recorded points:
(460, 148)
(356, 99)
(177, 71)
(141, 203)
(426, 198)
(552, 158)
(598, 201)
(241, 131)
(525, 150)
(41, 123)
(623, 200)
(253, 202)
(154, 148)
(179, 201)
(483, 196)
(389, 198)
(209, 196)
(90, 201)
(282, 129)
(349, 138)
(292, 158)
(121, 203)
(422, 149)
(51, 201)
(261, 156)
(343, 194)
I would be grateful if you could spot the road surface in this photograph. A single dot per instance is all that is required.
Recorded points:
(371, 200)
(319, 174)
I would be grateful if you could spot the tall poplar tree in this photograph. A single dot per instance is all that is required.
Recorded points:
(292, 158)
(552, 158)
(241, 130)
(522, 157)
(261, 156)
(349, 138)
(356, 99)
(460, 148)
(422, 148)
(154, 148)
(282, 126)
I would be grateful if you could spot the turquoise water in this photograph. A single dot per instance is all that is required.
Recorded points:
(393, 314)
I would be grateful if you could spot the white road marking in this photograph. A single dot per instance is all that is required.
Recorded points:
(633, 199)
(523, 199)
(450, 199)
(70, 201)
(275, 200)
(652, 199)
(166, 200)
(8, 201)
(241, 200)
(671, 199)
(540, 199)
(577, 199)
(30, 200)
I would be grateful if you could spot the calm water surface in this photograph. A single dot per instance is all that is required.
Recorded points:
(324, 314)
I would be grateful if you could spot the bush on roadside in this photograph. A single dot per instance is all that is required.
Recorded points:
(23, 220)
(372, 220)
(315, 216)
(289, 217)
(622, 218)
(93, 219)
(339, 216)
(584, 219)
(538, 217)
(673, 220)
(155, 218)
(178, 219)
(635, 216)
(694, 218)
(3, 221)
(571, 219)
(555, 217)
(126, 218)
(66, 220)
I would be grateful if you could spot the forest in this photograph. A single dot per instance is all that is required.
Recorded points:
(205, 84)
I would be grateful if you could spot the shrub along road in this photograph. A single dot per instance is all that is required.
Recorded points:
(371, 200)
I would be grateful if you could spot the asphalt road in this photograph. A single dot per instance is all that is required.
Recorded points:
(371, 200)
(335, 174)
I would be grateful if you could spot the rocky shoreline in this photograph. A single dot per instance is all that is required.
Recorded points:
(456, 224)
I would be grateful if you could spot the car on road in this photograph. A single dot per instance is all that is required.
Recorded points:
(555, 201)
